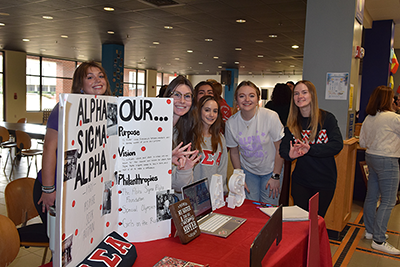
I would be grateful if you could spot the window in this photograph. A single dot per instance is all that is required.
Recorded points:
(1, 88)
(46, 78)
(163, 78)
(134, 82)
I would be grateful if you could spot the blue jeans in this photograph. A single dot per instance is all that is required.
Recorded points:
(383, 181)
(256, 184)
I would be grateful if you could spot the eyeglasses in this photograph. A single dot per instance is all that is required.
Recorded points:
(178, 96)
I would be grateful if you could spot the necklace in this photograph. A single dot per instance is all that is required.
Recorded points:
(248, 123)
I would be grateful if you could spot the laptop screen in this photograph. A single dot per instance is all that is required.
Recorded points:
(199, 197)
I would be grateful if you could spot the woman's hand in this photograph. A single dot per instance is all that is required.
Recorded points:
(180, 154)
(47, 200)
(190, 161)
(298, 149)
(274, 187)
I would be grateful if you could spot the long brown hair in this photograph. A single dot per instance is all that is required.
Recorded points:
(381, 99)
(295, 117)
(183, 127)
(215, 128)
(80, 74)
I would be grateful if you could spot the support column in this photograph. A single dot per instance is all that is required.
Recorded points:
(113, 62)
(332, 33)
(229, 90)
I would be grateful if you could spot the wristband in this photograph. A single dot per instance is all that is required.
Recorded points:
(275, 176)
(48, 189)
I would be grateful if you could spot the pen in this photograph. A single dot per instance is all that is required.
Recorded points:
(262, 204)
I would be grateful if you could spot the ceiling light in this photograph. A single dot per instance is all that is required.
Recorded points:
(200, 63)
(42, 49)
(238, 48)
(272, 36)
(64, 36)
(25, 40)
(292, 66)
(189, 51)
(152, 46)
(81, 56)
(250, 73)
(168, 27)
(4, 14)
(237, 62)
(219, 67)
(242, 67)
(156, 43)
(207, 70)
(259, 41)
(208, 40)
(295, 46)
(215, 57)
(177, 58)
(224, 63)
(241, 21)
(168, 64)
(260, 55)
(278, 61)
(106, 8)
(110, 32)
(2, 24)
(47, 17)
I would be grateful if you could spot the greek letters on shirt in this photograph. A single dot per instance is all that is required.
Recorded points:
(210, 158)
(322, 137)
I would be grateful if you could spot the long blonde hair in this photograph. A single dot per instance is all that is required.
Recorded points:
(294, 119)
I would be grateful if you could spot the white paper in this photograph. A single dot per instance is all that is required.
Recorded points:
(289, 214)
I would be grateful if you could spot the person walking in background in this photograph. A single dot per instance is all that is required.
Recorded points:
(253, 135)
(280, 101)
(380, 135)
(313, 137)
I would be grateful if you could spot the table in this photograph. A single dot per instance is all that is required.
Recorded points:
(235, 250)
(36, 131)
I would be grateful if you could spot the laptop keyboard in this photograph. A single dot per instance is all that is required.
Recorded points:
(215, 222)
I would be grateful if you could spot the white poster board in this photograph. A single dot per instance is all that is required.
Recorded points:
(115, 158)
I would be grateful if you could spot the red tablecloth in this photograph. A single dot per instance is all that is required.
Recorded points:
(235, 250)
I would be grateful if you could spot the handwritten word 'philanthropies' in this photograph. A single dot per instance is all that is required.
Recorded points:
(138, 180)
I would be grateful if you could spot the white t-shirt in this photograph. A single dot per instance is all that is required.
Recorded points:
(380, 134)
(255, 139)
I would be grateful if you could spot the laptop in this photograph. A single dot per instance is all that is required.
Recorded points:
(209, 222)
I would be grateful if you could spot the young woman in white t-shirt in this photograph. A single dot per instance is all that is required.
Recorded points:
(253, 135)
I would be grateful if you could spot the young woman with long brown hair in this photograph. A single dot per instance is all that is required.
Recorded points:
(312, 136)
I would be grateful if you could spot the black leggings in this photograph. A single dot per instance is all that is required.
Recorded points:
(37, 193)
(301, 196)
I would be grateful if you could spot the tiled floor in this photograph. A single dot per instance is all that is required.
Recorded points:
(352, 250)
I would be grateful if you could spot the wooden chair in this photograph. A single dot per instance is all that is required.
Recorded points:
(6, 143)
(20, 208)
(23, 120)
(9, 241)
(23, 141)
